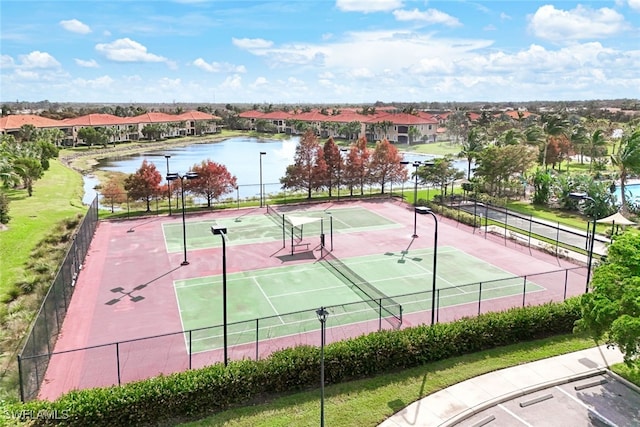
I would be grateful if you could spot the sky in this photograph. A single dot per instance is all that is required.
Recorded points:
(318, 51)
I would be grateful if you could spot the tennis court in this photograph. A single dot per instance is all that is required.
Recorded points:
(247, 229)
(270, 294)
(139, 310)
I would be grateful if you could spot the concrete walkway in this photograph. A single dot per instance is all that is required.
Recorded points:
(454, 404)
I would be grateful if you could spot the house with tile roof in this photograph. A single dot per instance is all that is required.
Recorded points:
(119, 129)
(395, 127)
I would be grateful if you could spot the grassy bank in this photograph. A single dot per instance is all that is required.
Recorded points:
(369, 402)
(57, 196)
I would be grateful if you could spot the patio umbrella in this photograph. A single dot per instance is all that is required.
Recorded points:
(616, 219)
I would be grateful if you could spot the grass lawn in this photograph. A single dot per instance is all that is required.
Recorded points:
(369, 402)
(570, 219)
(437, 148)
(56, 196)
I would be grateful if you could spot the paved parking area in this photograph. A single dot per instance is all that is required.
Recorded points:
(596, 401)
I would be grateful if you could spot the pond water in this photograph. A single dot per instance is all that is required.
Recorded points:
(241, 156)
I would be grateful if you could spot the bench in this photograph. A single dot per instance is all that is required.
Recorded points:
(299, 245)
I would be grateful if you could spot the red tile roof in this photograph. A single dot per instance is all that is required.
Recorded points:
(153, 118)
(95, 120)
(196, 115)
(16, 121)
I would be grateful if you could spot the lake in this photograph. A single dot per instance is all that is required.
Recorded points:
(241, 156)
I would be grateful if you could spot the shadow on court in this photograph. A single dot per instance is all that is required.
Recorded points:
(133, 293)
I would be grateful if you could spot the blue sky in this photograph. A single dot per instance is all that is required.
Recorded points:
(327, 51)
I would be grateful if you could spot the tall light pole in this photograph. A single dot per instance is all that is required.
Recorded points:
(167, 156)
(585, 196)
(435, 264)
(173, 177)
(222, 231)
(322, 317)
(262, 153)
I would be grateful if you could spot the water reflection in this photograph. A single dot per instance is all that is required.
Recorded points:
(241, 156)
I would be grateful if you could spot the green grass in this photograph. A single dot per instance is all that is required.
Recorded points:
(57, 196)
(570, 219)
(437, 148)
(628, 373)
(369, 402)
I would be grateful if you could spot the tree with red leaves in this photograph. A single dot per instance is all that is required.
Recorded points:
(113, 191)
(357, 169)
(214, 180)
(310, 168)
(385, 165)
(144, 184)
(334, 162)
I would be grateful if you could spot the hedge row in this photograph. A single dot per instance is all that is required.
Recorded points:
(195, 393)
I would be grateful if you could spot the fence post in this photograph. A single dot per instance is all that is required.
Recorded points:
(566, 279)
(379, 315)
(118, 360)
(190, 348)
(257, 336)
(437, 297)
(557, 239)
(20, 379)
(506, 220)
(479, 298)
(524, 290)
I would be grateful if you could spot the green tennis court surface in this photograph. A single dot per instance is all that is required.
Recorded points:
(269, 294)
(263, 228)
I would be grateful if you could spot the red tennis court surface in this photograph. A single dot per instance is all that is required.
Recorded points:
(125, 292)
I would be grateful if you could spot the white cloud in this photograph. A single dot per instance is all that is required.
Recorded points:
(326, 75)
(217, 67)
(103, 82)
(87, 64)
(232, 82)
(577, 24)
(429, 16)
(368, 6)
(505, 17)
(250, 44)
(360, 73)
(37, 59)
(260, 81)
(634, 4)
(127, 50)
(75, 26)
(6, 62)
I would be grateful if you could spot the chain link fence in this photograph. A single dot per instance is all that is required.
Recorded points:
(34, 357)
(131, 360)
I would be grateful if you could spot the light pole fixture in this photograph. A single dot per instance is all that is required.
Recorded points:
(222, 231)
(262, 153)
(585, 196)
(322, 317)
(173, 177)
(435, 263)
(167, 156)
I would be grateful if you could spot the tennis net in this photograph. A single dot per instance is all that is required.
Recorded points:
(370, 294)
(284, 223)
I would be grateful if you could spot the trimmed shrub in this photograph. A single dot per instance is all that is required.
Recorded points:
(209, 390)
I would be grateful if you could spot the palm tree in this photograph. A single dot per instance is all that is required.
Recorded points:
(627, 160)
(553, 125)
(579, 139)
(472, 146)
(596, 142)
(510, 137)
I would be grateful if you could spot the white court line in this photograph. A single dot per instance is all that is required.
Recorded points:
(268, 300)
(501, 406)
(609, 422)
(186, 342)
(439, 277)
(306, 292)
